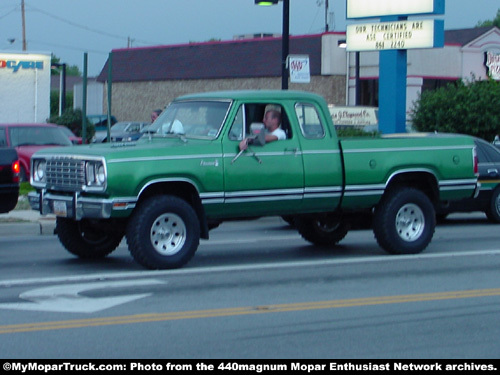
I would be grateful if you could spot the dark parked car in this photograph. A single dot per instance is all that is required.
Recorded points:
(126, 131)
(9, 179)
(29, 138)
(496, 143)
(100, 122)
(488, 200)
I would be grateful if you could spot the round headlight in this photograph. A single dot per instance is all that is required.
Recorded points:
(39, 170)
(101, 175)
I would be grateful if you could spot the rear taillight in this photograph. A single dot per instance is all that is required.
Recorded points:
(476, 162)
(16, 169)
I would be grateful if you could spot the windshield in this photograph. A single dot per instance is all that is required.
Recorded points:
(37, 136)
(119, 126)
(201, 119)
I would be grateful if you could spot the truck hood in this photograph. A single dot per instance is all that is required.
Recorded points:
(141, 148)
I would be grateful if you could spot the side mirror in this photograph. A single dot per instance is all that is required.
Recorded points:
(260, 140)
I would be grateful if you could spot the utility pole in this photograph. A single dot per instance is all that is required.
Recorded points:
(326, 16)
(24, 25)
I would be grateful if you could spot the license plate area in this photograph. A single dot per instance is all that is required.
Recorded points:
(60, 208)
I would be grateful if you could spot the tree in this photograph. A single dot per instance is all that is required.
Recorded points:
(495, 22)
(467, 107)
(71, 70)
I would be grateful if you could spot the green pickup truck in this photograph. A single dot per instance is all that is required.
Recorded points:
(188, 175)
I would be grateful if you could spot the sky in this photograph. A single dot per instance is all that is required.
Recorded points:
(69, 28)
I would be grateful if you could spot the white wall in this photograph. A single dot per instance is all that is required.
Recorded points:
(24, 87)
(95, 95)
(473, 54)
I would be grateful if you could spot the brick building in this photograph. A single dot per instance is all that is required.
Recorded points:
(148, 78)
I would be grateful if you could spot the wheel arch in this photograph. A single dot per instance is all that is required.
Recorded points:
(181, 188)
(421, 179)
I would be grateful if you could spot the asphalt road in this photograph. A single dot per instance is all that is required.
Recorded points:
(257, 290)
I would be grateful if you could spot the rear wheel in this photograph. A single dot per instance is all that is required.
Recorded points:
(86, 240)
(163, 233)
(325, 230)
(404, 221)
(493, 211)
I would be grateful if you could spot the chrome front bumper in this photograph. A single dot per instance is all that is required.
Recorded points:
(75, 206)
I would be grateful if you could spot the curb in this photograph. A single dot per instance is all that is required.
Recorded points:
(27, 223)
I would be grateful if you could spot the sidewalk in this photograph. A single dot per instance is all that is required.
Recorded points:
(26, 222)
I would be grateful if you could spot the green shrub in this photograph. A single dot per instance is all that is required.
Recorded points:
(72, 118)
(471, 108)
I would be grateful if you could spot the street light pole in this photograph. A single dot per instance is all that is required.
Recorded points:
(285, 44)
(62, 86)
(285, 38)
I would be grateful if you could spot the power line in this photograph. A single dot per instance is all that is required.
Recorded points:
(68, 47)
(8, 13)
(86, 28)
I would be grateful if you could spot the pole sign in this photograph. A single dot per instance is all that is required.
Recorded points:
(395, 35)
(299, 68)
(492, 62)
(380, 8)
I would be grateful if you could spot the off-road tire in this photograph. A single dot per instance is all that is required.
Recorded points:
(163, 233)
(86, 241)
(404, 221)
(322, 230)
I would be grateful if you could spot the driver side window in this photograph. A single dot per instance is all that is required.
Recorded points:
(249, 117)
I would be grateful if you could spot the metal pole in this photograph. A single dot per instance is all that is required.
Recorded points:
(84, 96)
(63, 91)
(60, 93)
(326, 16)
(23, 25)
(358, 81)
(110, 79)
(285, 44)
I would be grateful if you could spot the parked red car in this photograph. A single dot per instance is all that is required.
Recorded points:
(72, 137)
(29, 138)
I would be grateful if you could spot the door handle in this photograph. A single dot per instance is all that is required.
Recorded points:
(294, 150)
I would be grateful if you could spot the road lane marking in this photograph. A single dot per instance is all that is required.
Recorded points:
(66, 298)
(249, 310)
(240, 268)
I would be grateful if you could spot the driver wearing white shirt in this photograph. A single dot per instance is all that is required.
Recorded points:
(272, 121)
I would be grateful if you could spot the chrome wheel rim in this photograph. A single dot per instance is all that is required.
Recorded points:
(168, 234)
(410, 222)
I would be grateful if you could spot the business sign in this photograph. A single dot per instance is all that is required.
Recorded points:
(492, 62)
(354, 116)
(380, 8)
(15, 65)
(299, 69)
(395, 35)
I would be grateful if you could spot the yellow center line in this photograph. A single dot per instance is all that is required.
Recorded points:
(250, 310)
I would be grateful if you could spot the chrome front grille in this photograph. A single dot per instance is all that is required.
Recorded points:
(65, 174)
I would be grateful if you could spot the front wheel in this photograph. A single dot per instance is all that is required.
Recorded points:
(493, 211)
(86, 239)
(163, 233)
(405, 221)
